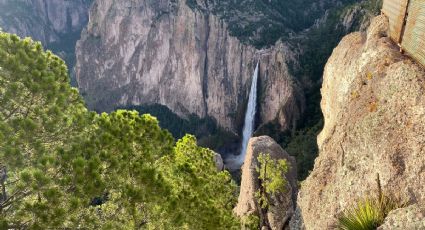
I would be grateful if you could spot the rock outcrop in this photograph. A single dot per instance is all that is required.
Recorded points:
(409, 218)
(48, 21)
(282, 205)
(165, 52)
(374, 108)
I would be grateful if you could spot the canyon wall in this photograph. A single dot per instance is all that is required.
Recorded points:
(47, 21)
(165, 52)
(374, 108)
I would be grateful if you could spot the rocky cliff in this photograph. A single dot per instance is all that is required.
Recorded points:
(165, 52)
(47, 21)
(374, 108)
(56, 23)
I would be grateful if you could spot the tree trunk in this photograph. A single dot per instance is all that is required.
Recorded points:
(3, 177)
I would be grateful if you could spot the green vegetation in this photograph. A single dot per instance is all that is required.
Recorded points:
(175, 124)
(372, 6)
(318, 43)
(301, 143)
(369, 213)
(251, 222)
(204, 197)
(272, 178)
(38, 113)
(209, 134)
(63, 167)
(262, 23)
(365, 216)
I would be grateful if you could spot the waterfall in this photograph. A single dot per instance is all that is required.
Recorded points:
(248, 127)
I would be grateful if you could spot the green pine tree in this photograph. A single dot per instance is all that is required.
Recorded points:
(63, 167)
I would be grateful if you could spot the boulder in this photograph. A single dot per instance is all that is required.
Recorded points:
(282, 205)
(218, 162)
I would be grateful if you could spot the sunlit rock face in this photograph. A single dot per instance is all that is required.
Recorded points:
(165, 52)
(373, 101)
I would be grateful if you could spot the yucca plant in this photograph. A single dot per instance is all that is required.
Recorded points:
(369, 213)
(364, 216)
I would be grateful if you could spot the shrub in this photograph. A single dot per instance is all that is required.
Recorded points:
(272, 178)
(369, 213)
(251, 222)
(364, 216)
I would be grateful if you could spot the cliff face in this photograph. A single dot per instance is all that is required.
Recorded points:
(57, 24)
(44, 20)
(164, 52)
(374, 108)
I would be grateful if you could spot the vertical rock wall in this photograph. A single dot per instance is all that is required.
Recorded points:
(164, 52)
(374, 108)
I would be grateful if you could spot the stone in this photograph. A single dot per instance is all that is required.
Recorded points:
(48, 21)
(409, 218)
(218, 162)
(373, 101)
(283, 204)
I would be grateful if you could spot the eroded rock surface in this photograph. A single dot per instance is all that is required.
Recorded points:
(409, 218)
(282, 205)
(374, 108)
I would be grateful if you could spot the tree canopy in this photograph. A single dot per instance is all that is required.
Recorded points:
(64, 167)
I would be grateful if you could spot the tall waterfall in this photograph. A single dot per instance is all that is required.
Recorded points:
(248, 127)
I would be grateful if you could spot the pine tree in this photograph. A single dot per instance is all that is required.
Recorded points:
(203, 197)
(63, 167)
(38, 112)
(272, 178)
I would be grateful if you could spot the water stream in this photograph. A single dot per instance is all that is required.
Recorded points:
(248, 128)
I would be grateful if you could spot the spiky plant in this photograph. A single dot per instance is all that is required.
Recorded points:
(369, 213)
(364, 216)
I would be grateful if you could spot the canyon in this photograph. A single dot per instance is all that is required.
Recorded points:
(197, 58)
(182, 58)
(133, 53)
